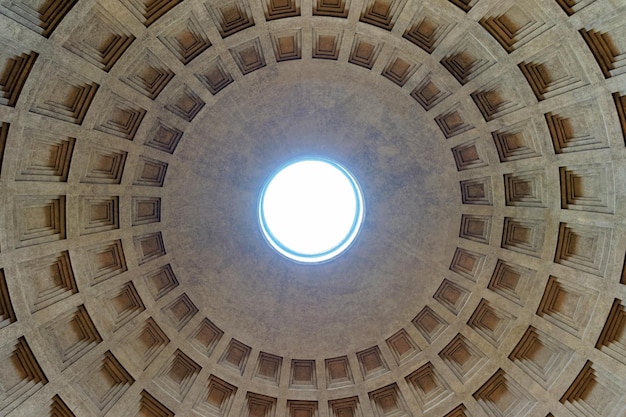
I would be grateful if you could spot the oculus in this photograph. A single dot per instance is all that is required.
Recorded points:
(311, 210)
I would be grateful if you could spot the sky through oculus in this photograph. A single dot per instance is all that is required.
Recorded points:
(310, 210)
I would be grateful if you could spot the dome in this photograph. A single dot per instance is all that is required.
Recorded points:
(488, 275)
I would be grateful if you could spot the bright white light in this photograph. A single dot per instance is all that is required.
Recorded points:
(311, 210)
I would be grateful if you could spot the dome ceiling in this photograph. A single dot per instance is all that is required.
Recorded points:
(487, 280)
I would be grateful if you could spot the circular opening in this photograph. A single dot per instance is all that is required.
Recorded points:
(310, 210)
